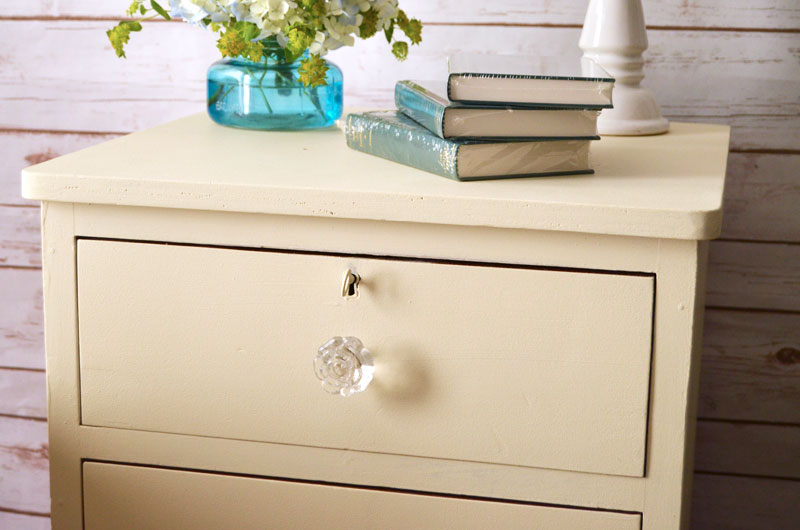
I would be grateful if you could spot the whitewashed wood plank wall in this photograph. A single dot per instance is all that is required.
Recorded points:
(724, 61)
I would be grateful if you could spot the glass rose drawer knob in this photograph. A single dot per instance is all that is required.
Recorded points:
(344, 366)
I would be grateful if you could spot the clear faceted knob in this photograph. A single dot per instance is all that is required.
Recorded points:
(344, 366)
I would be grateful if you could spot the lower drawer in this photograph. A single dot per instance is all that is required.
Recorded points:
(120, 497)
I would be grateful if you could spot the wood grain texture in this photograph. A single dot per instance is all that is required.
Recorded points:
(742, 78)
(769, 14)
(748, 449)
(762, 193)
(743, 503)
(24, 465)
(23, 393)
(21, 319)
(754, 275)
(19, 521)
(20, 244)
(751, 367)
(750, 360)
(20, 149)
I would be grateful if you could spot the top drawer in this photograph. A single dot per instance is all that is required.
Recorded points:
(507, 365)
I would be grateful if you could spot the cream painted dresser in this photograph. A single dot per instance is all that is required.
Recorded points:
(535, 341)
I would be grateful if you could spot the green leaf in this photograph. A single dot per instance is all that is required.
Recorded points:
(135, 6)
(400, 50)
(120, 34)
(160, 10)
(248, 30)
(389, 31)
(142, 10)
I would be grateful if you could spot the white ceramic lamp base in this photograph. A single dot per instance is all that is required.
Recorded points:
(635, 113)
(614, 36)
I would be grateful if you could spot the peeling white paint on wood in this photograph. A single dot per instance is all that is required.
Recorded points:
(20, 242)
(738, 76)
(750, 359)
(18, 521)
(682, 13)
(24, 463)
(21, 319)
(23, 393)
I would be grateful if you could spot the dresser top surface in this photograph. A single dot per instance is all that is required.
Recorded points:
(667, 186)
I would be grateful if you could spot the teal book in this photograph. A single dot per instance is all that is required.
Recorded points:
(426, 103)
(394, 136)
(488, 79)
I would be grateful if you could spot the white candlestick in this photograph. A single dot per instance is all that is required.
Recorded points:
(614, 36)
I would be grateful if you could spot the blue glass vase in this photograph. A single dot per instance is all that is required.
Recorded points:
(268, 95)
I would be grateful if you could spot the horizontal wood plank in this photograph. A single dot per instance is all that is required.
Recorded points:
(19, 521)
(742, 503)
(19, 150)
(754, 275)
(762, 193)
(742, 78)
(21, 320)
(20, 242)
(769, 14)
(751, 367)
(748, 449)
(24, 481)
(23, 393)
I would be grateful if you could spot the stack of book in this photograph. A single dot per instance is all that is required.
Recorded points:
(490, 120)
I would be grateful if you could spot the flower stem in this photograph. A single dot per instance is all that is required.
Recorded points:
(314, 99)
(261, 88)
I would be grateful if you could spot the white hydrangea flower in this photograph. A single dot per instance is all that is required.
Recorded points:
(194, 11)
(274, 17)
(318, 46)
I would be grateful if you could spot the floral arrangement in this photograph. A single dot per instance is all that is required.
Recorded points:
(298, 26)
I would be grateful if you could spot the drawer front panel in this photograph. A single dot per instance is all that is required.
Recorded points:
(503, 365)
(120, 497)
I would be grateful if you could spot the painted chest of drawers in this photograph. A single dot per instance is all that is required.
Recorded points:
(535, 341)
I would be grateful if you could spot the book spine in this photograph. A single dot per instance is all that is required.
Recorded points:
(412, 101)
(412, 146)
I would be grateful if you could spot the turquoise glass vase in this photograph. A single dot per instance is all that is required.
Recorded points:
(268, 95)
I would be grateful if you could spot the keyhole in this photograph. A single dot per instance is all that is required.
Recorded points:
(351, 289)
(350, 285)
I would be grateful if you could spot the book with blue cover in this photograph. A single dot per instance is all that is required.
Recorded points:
(394, 136)
(426, 103)
(528, 81)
